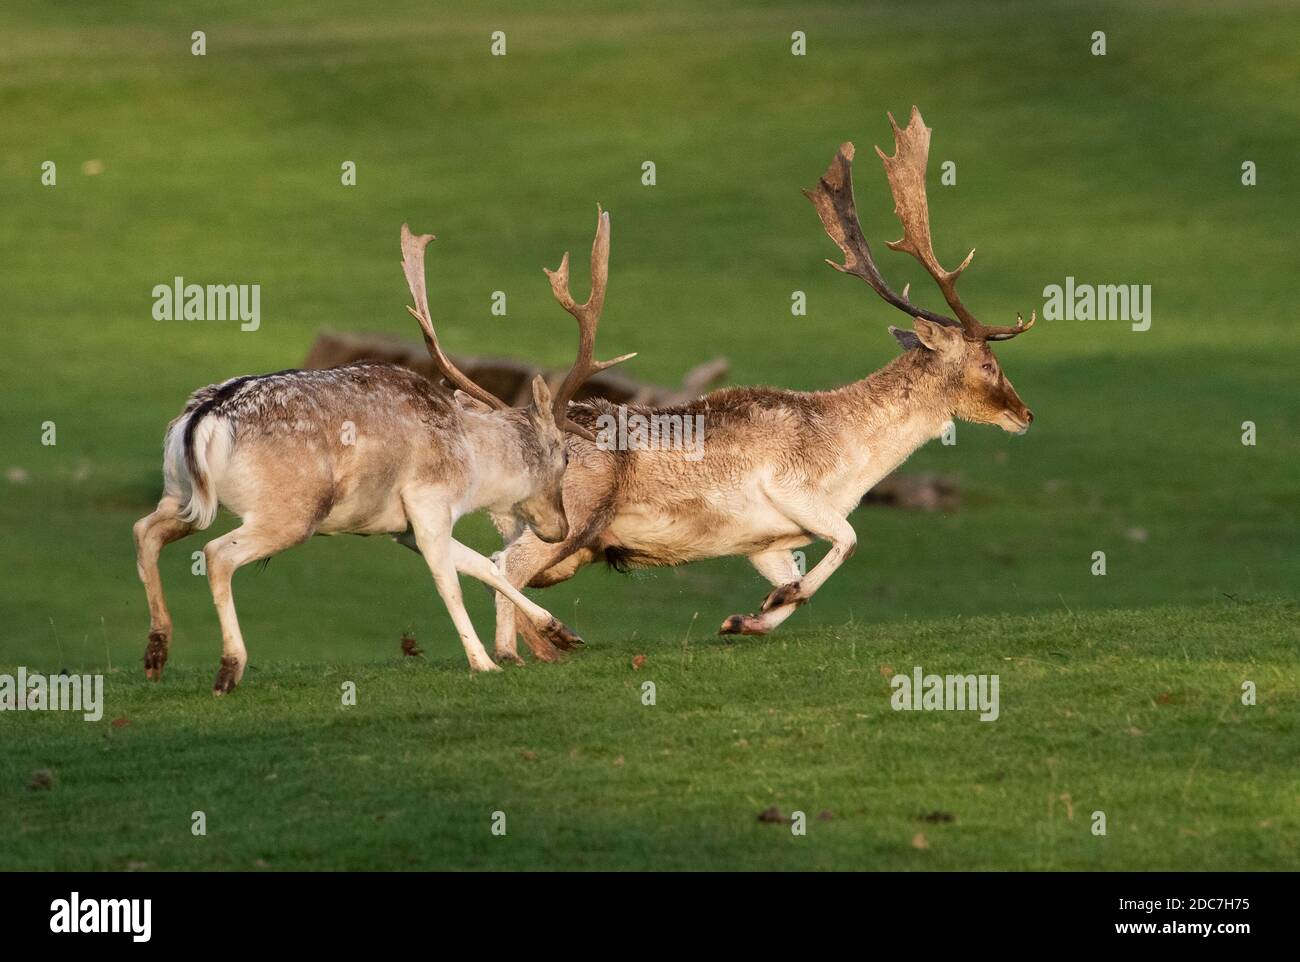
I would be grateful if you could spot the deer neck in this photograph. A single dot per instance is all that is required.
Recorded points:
(896, 410)
(505, 457)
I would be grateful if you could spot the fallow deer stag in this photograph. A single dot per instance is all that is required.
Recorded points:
(782, 468)
(365, 448)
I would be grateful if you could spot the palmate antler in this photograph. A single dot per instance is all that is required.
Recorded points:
(413, 246)
(833, 198)
(588, 317)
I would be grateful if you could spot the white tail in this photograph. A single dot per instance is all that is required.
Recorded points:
(188, 474)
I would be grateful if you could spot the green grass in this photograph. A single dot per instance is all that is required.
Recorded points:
(1136, 714)
(225, 169)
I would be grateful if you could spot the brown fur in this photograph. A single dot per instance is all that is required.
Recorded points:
(808, 445)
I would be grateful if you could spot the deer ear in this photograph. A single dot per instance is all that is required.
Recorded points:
(906, 339)
(939, 338)
(542, 399)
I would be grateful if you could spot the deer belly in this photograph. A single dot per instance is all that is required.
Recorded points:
(366, 513)
(693, 531)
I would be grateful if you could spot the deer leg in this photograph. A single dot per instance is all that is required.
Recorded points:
(226, 555)
(530, 561)
(432, 528)
(472, 563)
(543, 636)
(538, 644)
(785, 598)
(515, 562)
(152, 533)
(778, 567)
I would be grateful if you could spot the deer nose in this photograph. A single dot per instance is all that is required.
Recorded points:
(1029, 416)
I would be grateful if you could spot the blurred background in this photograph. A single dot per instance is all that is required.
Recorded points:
(226, 169)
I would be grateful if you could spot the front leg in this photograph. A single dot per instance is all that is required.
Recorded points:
(779, 568)
(431, 524)
(470, 562)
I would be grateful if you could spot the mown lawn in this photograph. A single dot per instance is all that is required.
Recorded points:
(1123, 169)
(1136, 714)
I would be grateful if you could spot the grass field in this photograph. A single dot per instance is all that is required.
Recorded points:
(1119, 693)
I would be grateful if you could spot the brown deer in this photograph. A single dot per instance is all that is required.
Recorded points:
(367, 448)
(780, 468)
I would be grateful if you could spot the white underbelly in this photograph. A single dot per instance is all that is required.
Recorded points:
(739, 524)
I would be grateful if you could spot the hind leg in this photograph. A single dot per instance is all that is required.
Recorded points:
(225, 555)
(152, 533)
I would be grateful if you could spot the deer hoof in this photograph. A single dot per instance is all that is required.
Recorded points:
(743, 625)
(508, 658)
(787, 594)
(560, 635)
(228, 677)
(155, 656)
(486, 665)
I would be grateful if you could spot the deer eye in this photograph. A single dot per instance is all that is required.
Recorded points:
(987, 366)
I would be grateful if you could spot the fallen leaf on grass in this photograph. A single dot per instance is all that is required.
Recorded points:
(918, 841)
(1069, 805)
(42, 780)
(121, 722)
(772, 815)
(637, 662)
(410, 648)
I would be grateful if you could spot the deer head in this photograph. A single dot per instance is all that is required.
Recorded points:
(537, 430)
(958, 348)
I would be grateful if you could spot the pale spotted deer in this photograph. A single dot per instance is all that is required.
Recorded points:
(781, 469)
(367, 448)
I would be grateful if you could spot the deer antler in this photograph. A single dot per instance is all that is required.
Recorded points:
(905, 170)
(588, 317)
(833, 198)
(413, 246)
